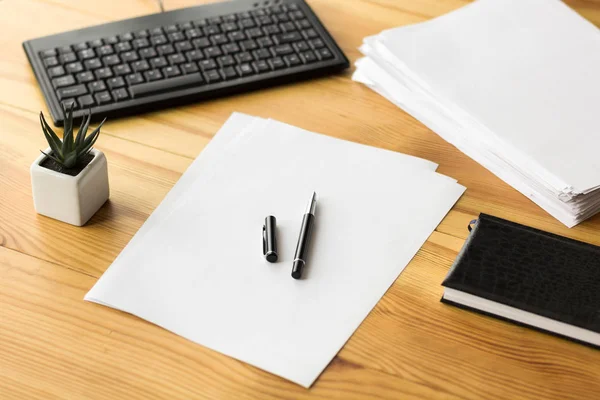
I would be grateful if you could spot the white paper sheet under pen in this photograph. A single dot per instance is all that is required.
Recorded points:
(196, 268)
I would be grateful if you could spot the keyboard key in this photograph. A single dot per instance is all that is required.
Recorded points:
(86, 54)
(115, 83)
(134, 79)
(171, 28)
(218, 39)
(140, 66)
(200, 23)
(141, 43)
(287, 26)
(193, 33)
(94, 63)
(103, 98)
(172, 71)
(104, 50)
(276, 63)
(165, 49)
(229, 27)
(148, 53)
(287, 37)
(80, 46)
(188, 68)
(244, 57)
(282, 17)
(111, 60)
(292, 60)
(262, 54)
(324, 54)
(212, 76)
(201, 43)
(176, 37)
(185, 25)
(73, 68)
(226, 61)
(122, 69)
(64, 49)
(50, 62)
(301, 47)
(248, 45)
(120, 94)
(112, 40)
(212, 52)
(158, 62)
(253, 33)
(211, 30)
(310, 34)
(182, 47)
(229, 18)
(126, 37)
(271, 29)
(142, 34)
(296, 15)
(71, 91)
(96, 43)
(48, 53)
(308, 57)
(152, 75)
(67, 58)
(176, 59)
(246, 23)
(264, 42)
(165, 85)
(56, 71)
(103, 73)
(230, 48)
(245, 69)
(84, 77)
(260, 66)
(258, 13)
(63, 81)
(228, 73)
(194, 55)
(206, 65)
(303, 24)
(214, 20)
(292, 7)
(158, 40)
(316, 43)
(68, 103)
(85, 101)
(97, 86)
(122, 46)
(129, 56)
(156, 31)
(236, 36)
(264, 20)
(282, 50)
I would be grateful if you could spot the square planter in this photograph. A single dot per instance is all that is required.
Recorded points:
(71, 199)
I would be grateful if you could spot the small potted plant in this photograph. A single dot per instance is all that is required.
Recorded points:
(70, 179)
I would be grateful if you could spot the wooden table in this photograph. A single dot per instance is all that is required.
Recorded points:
(53, 345)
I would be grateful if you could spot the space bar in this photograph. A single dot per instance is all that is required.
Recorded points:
(165, 85)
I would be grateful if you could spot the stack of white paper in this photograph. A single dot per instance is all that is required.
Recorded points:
(514, 84)
(196, 266)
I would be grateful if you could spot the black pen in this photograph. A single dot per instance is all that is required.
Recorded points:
(303, 240)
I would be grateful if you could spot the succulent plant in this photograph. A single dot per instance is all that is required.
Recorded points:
(68, 151)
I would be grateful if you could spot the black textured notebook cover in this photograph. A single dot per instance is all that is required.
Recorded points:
(529, 269)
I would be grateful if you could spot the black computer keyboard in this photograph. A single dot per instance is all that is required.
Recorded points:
(180, 56)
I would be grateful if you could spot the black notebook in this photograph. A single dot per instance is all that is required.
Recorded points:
(530, 277)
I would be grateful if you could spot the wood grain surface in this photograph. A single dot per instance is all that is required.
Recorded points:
(53, 345)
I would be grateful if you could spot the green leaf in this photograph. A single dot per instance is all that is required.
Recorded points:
(70, 160)
(49, 133)
(52, 157)
(92, 137)
(68, 143)
(85, 123)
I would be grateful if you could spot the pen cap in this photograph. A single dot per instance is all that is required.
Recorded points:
(269, 239)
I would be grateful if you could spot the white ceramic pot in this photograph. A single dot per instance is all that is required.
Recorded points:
(71, 199)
